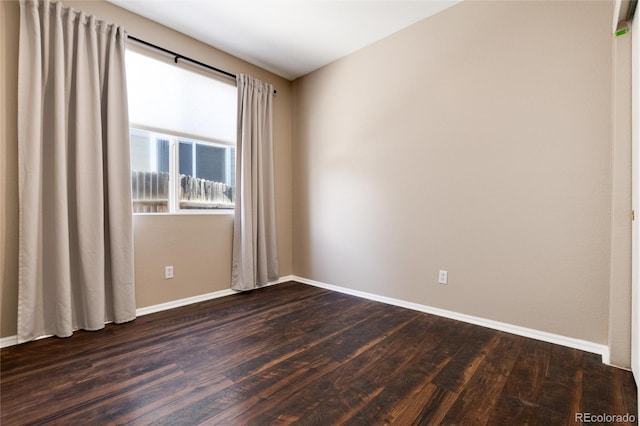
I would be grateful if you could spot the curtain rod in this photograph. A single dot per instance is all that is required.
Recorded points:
(177, 56)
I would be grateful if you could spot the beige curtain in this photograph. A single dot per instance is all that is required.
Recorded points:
(76, 245)
(255, 257)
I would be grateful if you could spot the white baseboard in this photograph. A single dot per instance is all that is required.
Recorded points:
(13, 340)
(8, 341)
(195, 299)
(557, 339)
(182, 302)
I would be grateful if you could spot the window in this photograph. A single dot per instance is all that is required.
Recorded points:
(205, 178)
(183, 130)
(149, 172)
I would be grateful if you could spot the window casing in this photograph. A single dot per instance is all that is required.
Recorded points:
(173, 174)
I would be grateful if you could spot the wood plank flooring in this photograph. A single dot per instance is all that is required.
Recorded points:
(297, 354)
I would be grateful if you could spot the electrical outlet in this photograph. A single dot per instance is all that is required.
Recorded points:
(168, 272)
(443, 277)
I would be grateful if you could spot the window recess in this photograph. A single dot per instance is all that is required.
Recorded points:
(182, 138)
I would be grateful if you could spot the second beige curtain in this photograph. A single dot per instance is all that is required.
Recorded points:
(255, 255)
(76, 238)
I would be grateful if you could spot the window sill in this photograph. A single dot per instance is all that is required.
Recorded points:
(223, 212)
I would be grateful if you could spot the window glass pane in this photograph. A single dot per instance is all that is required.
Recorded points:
(211, 163)
(186, 158)
(232, 167)
(149, 172)
(163, 155)
(205, 177)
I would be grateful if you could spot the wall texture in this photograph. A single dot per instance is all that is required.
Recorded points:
(199, 246)
(9, 15)
(620, 279)
(478, 141)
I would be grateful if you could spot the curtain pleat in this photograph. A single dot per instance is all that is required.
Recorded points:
(76, 233)
(255, 256)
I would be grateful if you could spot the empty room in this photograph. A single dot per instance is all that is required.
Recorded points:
(319, 212)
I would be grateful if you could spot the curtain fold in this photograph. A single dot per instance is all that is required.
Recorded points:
(76, 233)
(255, 255)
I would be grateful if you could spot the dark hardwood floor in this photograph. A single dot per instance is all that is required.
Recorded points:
(297, 354)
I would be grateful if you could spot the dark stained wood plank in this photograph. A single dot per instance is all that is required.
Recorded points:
(355, 337)
(427, 406)
(178, 325)
(629, 392)
(561, 395)
(293, 353)
(431, 356)
(359, 378)
(521, 393)
(465, 361)
(481, 392)
(598, 397)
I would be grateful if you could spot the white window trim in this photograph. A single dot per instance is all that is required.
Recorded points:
(174, 161)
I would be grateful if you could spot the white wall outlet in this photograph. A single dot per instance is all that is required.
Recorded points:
(443, 276)
(168, 272)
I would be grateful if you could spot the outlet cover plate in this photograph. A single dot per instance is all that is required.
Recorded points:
(168, 272)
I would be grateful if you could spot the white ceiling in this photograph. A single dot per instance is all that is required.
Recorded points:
(287, 37)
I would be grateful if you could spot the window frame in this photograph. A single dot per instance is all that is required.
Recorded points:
(173, 204)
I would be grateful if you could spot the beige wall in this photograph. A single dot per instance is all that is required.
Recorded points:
(620, 281)
(9, 15)
(199, 246)
(478, 141)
